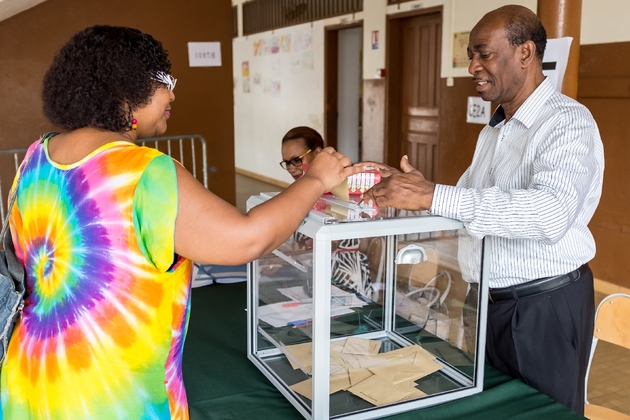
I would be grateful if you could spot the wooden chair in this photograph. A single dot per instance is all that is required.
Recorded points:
(612, 324)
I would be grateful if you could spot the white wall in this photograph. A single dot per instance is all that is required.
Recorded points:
(263, 116)
(10, 8)
(349, 92)
(375, 19)
(605, 21)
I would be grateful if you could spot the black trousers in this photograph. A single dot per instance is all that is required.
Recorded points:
(545, 340)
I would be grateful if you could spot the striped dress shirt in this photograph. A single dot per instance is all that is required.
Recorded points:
(530, 191)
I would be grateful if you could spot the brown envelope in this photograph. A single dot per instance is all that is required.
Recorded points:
(304, 388)
(341, 191)
(356, 345)
(415, 392)
(338, 382)
(398, 372)
(369, 361)
(337, 345)
(303, 353)
(378, 391)
(358, 375)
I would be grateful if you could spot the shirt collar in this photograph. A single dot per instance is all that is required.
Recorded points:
(529, 110)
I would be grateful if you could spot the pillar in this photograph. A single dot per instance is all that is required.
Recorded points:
(564, 18)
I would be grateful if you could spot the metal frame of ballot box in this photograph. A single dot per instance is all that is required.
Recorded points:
(324, 229)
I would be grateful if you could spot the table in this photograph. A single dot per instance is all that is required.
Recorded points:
(222, 383)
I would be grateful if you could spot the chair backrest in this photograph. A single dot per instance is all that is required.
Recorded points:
(612, 324)
(376, 258)
(612, 320)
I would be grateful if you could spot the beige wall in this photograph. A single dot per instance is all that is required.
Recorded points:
(605, 90)
(204, 96)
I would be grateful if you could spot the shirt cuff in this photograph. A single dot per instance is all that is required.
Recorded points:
(446, 200)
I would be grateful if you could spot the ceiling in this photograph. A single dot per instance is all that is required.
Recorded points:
(9, 8)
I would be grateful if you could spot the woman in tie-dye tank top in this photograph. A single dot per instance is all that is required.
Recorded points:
(107, 230)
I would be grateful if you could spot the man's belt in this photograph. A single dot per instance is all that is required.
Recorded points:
(537, 286)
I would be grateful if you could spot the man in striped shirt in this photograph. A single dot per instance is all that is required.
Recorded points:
(532, 187)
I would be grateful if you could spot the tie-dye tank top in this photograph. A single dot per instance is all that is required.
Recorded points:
(104, 322)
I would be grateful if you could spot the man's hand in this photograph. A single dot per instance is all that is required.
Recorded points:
(385, 170)
(408, 190)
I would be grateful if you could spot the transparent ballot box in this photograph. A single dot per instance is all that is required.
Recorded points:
(364, 313)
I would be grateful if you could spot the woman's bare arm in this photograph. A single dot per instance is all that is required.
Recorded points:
(210, 230)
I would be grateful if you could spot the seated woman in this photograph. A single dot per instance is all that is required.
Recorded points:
(299, 147)
(350, 269)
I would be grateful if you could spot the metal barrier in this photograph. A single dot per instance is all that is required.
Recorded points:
(188, 161)
(183, 148)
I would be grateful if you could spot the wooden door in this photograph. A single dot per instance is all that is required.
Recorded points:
(419, 91)
(331, 94)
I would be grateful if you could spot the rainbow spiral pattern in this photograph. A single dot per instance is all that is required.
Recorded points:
(103, 328)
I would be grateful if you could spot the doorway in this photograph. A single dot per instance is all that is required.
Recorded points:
(343, 78)
(413, 89)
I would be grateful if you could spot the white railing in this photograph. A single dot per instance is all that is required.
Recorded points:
(187, 149)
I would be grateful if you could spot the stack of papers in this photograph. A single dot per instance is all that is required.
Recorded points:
(299, 309)
(206, 274)
(357, 366)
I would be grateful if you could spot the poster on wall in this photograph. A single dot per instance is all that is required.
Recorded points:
(375, 40)
(460, 50)
(307, 60)
(285, 43)
(258, 47)
(245, 74)
(204, 54)
(275, 45)
(307, 40)
(555, 60)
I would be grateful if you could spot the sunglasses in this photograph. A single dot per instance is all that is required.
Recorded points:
(165, 78)
(296, 161)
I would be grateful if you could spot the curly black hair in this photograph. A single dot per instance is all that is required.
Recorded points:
(100, 76)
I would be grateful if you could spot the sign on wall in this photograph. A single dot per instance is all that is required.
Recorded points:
(204, 54)
(460, 47)
(555, 60)
(478, 111)
(375, 40)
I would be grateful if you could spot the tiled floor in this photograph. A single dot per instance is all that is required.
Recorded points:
(609, 383)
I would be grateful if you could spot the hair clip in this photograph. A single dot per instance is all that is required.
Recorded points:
(165, 78)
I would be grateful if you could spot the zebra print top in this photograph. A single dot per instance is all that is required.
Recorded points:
(350, 268)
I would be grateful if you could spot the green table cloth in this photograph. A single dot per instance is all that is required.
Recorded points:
(222, 383)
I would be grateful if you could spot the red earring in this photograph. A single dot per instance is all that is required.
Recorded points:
(133, 124)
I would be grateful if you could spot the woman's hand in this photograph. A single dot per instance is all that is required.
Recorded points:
(331, 168)
(209, 230)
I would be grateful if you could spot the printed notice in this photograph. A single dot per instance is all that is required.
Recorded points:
(460, 50)
(556, 59)
(204, 54)
(478, 111)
